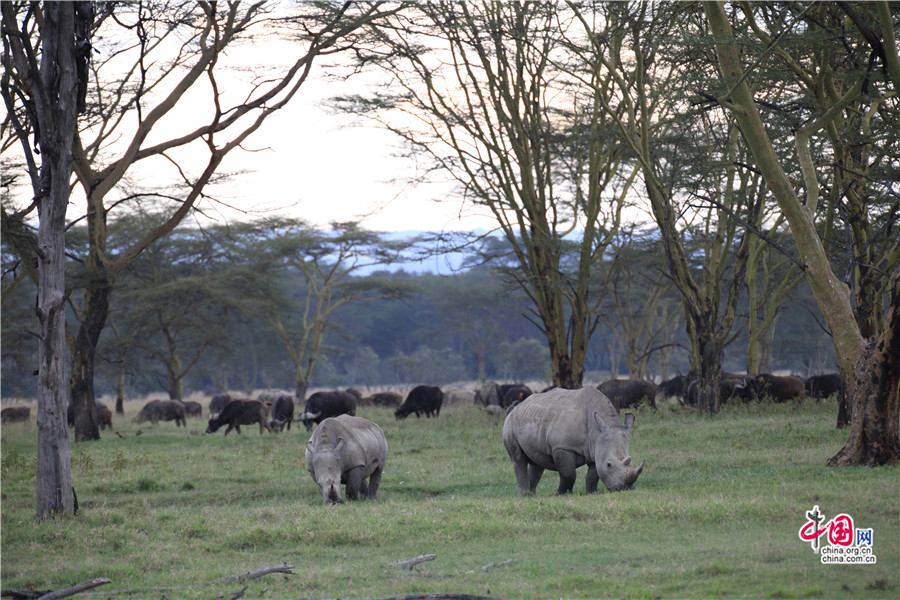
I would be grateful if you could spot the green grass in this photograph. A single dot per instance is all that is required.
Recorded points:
(715, 513)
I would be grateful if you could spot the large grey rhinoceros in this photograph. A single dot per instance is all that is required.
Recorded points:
(348, 450)
(561, 430)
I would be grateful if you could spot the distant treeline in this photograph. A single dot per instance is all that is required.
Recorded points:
(176, 315)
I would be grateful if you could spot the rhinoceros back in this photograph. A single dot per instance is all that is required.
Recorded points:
(556, 419)
(559, 404)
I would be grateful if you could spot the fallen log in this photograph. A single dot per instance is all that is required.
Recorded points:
(282, 568)
(493, 565)
(413, 561)
(438, 596)
(75, 589)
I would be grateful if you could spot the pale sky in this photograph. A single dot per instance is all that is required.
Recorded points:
(308, 162)
(323, 167)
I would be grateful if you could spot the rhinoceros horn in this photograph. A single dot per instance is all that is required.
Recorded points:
(633, 474)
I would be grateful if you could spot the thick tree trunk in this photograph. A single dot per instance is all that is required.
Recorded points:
(709, 372)
(869, 367)
(93, 319)
(57, 118)
(875, 384)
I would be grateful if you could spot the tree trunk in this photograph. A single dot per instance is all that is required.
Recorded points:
(120, 389)
(874, 427)
(709, 369)
(870, 370)
(57, 118)
(93, 319)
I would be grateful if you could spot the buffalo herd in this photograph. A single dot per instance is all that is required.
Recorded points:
(275, 412)
(554, 429)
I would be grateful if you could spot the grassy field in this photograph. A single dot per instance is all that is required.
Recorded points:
(716, 514)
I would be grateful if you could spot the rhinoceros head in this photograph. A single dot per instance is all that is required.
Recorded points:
(324, 464)
(609, 448)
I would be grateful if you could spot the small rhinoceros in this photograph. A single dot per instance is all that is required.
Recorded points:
(561, 430)
(348, 450)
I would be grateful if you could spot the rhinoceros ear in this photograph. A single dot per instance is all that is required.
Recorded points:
(340, 443)
(599, 420)
(629, 419)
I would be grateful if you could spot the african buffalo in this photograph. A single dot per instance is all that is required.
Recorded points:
(628, 393)
(488, 394)
(513, 393)
(241, 412)
(104, 416)
(15, 414)
(282, 413)
(675, 387)
(731, 386)
(387, 399)
(217, 403)
(322, 405)
(192, 409)
(421, 399)
(563, 429)
(346, 449)
(823, 386)
(162, 410)
(102, 410)
(779, 388)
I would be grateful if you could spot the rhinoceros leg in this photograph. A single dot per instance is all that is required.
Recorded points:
(374, 482)
(566, 462)
(355, 482)
(534, 476)
(592, 481)
(522, 468)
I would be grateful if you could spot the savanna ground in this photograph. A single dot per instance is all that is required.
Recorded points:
(716, 513)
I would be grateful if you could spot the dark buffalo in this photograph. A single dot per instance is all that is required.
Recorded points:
(323, 405)
(192, 409)
(104, 416)
(513, 394)
(70, 414)
(15, 414)
(731, 386)
(422, 399)
(823, 386)
(241, 412)
(386, 399)
(217, 403)
(628, 393)
(778, 388)
(675, 387)
(504, 395)
(162, 410)
(282, 413)
(489, 394)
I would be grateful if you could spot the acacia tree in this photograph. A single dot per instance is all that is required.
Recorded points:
(682, 154)
(640, 304)
(482, 101)
(177, 296)
(840, 99)
(48, 122)
(158, 57)
(307, 275)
